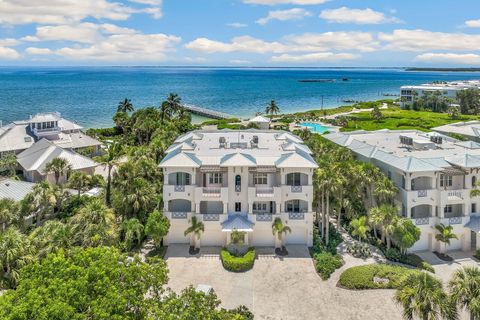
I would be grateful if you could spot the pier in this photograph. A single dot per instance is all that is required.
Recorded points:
(207, 112)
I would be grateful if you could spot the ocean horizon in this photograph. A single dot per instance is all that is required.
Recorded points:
(89, 95)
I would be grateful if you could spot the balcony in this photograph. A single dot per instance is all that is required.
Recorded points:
(178, 215)
(296, 189)
(171, 191)
(210, 217)
(296, 215)
(422, 221)
(263, 217)
(304, 192)
(213, 192)
(418, 197)
(46, 131)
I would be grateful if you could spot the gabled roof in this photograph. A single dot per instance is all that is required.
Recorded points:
(297, 159)
(177, 159)
(189, 136)
(338, 138)
(42, 152)
(293, 146)
(260, 119)
(237, 160)
(406, 164)
(187, 145)
(474, 224)
(468, 144)
(237, 222)
(465, 161)
(15, 189)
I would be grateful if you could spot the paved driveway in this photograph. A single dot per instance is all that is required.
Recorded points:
(444, 269)
(279, 288)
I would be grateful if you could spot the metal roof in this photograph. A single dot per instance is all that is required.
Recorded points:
(237, 222)
(15, 189)
(473, 224)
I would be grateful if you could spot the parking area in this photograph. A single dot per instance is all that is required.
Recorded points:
(445, 269)
(279, 288)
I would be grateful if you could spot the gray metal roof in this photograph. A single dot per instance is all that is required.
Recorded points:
(237, 222)
(15, 189)
(474, 223)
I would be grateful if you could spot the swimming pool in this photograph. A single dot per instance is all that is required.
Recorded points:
(316, 127)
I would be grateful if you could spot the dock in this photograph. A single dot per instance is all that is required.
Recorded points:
(207, 112)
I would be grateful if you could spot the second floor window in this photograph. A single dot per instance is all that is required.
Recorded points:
(183, 179)
(292, 206)
(448, 209)
(446, 181)
(293, 179)
(260, 178)
(215, 178)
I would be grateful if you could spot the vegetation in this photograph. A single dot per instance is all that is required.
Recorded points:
(238, 263)
(360, 228)
(157, 227)
(464, 287)
(395, 255)
(445, 235)
(272, 109)
(279, 229)
(326, 264)
(363, 277)
(58, 167)
(195, 230)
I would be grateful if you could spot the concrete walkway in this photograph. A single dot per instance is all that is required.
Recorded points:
(280, 287)
(445, 269)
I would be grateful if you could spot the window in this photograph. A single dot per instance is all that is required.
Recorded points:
(445, 181)
(474, 208)
(293, 179)
(238, 206)
(293, 206)
(260, 206)
(183, 179)
(389, 175)
(448, 209)
(260, 178)
(215, 178)
(474, 182)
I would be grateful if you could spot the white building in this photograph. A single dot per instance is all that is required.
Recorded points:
(20, 135)
(470, 129)
(239, 180)
(434, 174)
(261, 122)
(447, 89)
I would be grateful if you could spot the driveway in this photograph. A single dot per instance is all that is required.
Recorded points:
(445, 269)
(279, 288)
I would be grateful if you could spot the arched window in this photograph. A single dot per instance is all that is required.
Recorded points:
(238, 183)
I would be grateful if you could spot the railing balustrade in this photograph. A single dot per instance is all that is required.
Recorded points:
(296, 188)
(296, 215)
(211, 190)
(455, 220)
(211, 217)
(179, 215)
(238, 188)
(422, 193)
(179, 188)
(422, 221)
(263, 217)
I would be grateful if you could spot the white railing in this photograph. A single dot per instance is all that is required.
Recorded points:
(211, 190)
(422, 221)
(296, 215)
(238, 188)
(179, 215)
(455, 193)
(47, 130)
(455, 220)
(263, 217)
(211, 217)
(296, 188)
(264, 191)
(179, 188)
(422, 193)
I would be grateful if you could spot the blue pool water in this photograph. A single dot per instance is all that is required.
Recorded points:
(315, 127)
(90, 95)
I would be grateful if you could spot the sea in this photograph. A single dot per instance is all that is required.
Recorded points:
(90, 95)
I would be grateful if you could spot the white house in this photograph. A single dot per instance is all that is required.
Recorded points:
(469, 129)
(434, 174)
(239, 180)
(261, 122)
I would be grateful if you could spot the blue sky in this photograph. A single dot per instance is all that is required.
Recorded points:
(241, 32)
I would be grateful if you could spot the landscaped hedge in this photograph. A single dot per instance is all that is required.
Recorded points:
(326, 264)
(477, 254)
(393, 254)
(240, 263)
(362, 277)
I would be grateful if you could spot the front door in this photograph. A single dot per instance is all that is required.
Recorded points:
(473, 240)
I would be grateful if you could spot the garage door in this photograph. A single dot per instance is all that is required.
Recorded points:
(213, 236)
(297, 236)
(175, 235)
(263, 239)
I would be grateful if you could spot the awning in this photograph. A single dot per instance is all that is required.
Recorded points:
(237, 222)
(212, 169)
(474, 224)
(263, 169)
(454, 171)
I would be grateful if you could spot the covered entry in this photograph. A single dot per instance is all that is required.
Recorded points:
(237, 222)
(474, 226)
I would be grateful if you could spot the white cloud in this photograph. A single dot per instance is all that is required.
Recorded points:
(38, 51)
(9, 42)
(423, 40)
(238, 44)
(472, 23)
(239, 61)
(8, 53)
(275, 2)
(357, 16)
(15, 12)
(149, 2)
(284, 15)
(237, 25)
(120, 47)
(454, 58)
(314, 57)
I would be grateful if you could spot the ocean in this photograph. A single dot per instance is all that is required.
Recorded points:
(89, 95)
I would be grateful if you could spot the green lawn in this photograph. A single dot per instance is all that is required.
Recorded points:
(395, 118)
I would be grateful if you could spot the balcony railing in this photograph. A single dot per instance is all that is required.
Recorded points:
(296, 188)
(211, 217)
(422, 221)
(238, 188)
(211, 190)
(179, 215)
(264, 191)
(455, 194)
(296, 215)
(422, 193)
(47, 130)
(455, 220)
(263, 217)
(179, 188)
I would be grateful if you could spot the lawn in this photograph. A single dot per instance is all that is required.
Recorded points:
(396, 118)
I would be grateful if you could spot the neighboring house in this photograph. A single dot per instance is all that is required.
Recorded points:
(20, 135)
(470, 129)
(261, 122)
(434, 174)
(16, 190)
(447, 89)
(239, 180)
(34, 160)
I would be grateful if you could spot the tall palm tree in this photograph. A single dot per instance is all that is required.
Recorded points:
(132, 231)
(8, 210)
(475, 192)
(385, 190)
(360, 227)
(59, 167)
(110, 159)
(170, 106)
(278, 230)
(386, 217)
(50, 237)
(422, 296)
(8, 164)
(79, 181)
(43, 199)
(445, 235)
(464, 288)
(272, 108)
(15, 252)
(195, 230)
(125, 106)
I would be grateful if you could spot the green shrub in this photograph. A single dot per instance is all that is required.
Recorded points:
(393, 254)
(426, 266)
(359, 250)
(240, 263)
(362, 277)
(477, 254)
(326, 263)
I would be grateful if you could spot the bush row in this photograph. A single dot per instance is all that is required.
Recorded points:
(362, 277)
(326, 258)
(393, 254)
(238, 263)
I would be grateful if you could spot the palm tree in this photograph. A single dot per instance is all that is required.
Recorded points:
(278, 230)
(272, 108)
(15, 252)
(8, 210)
(79, 181)
(170, 106)
(464, 289)
(445, 235)
(50, 237)
(59, 167)
(132, 231)
(386, 217)
(475, 192)
(422, 296)
(125, 106)
(8, 164)
(110, 159)
(43, 199)
(196, 228)
(385, 190)
(360, 228)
